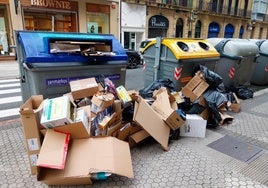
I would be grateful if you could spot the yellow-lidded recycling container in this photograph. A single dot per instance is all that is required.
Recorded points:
(176, 59)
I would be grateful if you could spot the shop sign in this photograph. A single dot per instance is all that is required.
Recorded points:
(158, 21)
(58, 4)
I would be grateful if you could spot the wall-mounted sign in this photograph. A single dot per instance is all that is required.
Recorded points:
(158, 21)
(57, 4)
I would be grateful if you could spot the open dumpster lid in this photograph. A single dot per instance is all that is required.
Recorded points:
(69, 47)
(187, 48)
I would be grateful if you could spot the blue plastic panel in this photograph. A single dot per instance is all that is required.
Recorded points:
(36, 47)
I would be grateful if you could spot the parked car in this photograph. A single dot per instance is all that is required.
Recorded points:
(134, 58)
(144, 43)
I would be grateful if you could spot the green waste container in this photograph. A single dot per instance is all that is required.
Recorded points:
(260, 73)
(48, 61)
(237, 60)
(176, 58)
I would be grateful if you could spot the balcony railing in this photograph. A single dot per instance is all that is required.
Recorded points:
(175, 3)
(201, 6)
(225, 10)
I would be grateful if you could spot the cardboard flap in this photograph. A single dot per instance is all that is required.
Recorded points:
(146, 117)
(162, 104)
(54, 150)
(76, 130)
(99, 154)
(32, 105)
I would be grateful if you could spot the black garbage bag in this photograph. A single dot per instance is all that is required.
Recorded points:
(230, 97)
(128, 112)
(186, 105)
(215, 99)
(243, 92)
(147, 92)
(212, 78)
(196, 109)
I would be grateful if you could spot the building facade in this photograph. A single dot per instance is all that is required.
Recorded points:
(132, 21)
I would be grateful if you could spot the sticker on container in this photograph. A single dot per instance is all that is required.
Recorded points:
(33, 144)
(33, 159)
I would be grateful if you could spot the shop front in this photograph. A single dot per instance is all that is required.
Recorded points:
(6, 42)
(158, 26)
(50, 15)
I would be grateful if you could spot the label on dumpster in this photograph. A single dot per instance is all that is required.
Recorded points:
(53, 82)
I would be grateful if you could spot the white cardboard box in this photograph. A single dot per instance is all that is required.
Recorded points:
(56, 112)
(195, 126)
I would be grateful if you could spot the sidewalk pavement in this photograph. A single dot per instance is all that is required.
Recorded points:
(188, 163)
(9, 69)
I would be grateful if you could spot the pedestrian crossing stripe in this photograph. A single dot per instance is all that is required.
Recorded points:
(7, 100)
(9, 80)
(8, 91)
(9, 112)
(9, 85)
(10, 88)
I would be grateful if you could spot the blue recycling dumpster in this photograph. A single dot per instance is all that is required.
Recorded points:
(48, 61)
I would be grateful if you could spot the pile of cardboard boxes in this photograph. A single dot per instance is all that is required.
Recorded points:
(82, 135)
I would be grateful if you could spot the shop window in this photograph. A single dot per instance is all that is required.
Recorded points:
(98, 18)
(97, 23)
(5, 40)
(38, 20)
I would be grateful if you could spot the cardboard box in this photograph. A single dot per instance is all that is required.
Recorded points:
(86, 157)
(30, 113)
(83, 88)
(195, 126)
(56, 112)
(125, 131)
(195, 87)
(145, 116)
(101, 101)
(162, 106)
(137, 137)
(123, 95)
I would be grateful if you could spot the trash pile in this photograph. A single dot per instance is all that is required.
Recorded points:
(87, 134)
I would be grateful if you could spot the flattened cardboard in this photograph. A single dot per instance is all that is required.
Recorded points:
(195, 126)
(30, 113)
(83, 88)
(195, 87)
(146, 117)
(54, 150)
(162, 106)
(87, 156)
